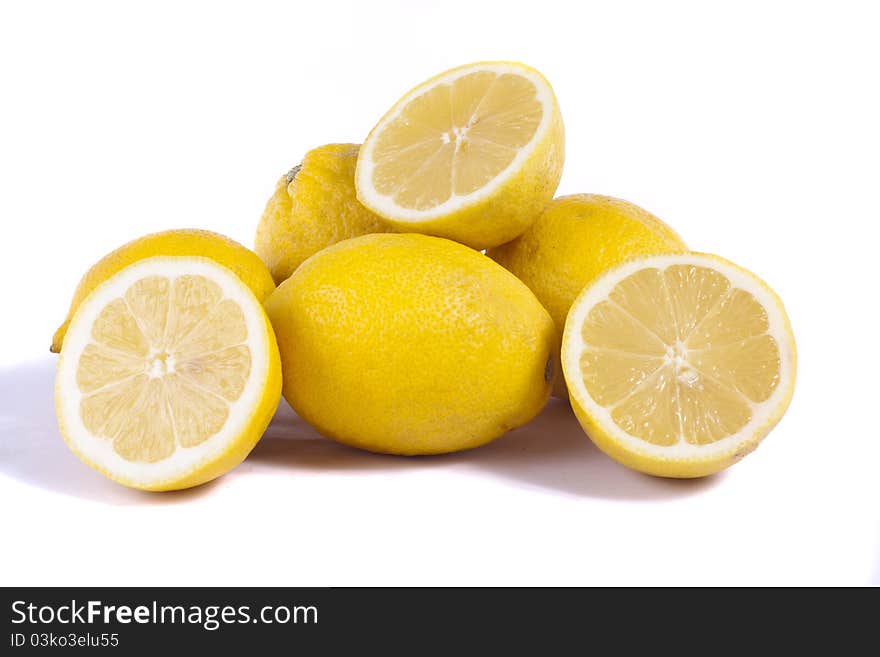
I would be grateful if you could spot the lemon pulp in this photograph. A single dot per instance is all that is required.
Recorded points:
(455, 138)
(681, 358)
(699, 368)
(164, 362)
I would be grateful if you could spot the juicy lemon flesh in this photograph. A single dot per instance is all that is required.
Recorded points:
(164, 362)
(455, 138)
(679, 355)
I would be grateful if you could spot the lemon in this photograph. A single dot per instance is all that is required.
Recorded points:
(314, 206)
(183, 242)
(169, 375)
(473, 154)
(409, 344)
(678, 365)
(576, 239)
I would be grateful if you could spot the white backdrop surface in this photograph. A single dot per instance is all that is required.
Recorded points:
(752, 129)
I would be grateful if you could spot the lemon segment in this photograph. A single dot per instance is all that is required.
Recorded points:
(678, 365)
(473, 154)
(169, 375)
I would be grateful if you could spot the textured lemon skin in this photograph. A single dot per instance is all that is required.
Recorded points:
(243, 262)
(677, 468)
(513, 206)
(219, 464)
(576, 239)
(408, 344)
(317, 207)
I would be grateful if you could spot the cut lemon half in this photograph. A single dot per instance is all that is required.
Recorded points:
(169, 375)
(473, 154)
(678, 365)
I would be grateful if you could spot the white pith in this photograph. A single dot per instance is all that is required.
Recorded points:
(185, 460)
(386, 206)
(761, 413)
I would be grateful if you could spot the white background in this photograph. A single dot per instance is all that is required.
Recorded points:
(752, 129)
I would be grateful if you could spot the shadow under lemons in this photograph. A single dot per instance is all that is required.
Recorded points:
(552, 452)
(290, 442)
(32, 450)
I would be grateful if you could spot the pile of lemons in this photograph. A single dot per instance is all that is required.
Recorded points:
(431, 295)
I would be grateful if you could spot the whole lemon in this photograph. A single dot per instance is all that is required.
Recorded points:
(576, 239)
(314, 206)
(181, 242)
(409, 344)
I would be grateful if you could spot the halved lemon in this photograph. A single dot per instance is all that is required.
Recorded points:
(473, 154)
(678, 365)
(169, 374)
